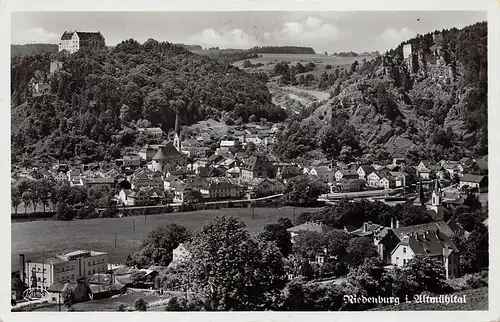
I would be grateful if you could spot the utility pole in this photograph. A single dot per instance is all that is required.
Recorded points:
(115, 240)
(59, 302)
(134, 225)
(253, 212)
(294, 215)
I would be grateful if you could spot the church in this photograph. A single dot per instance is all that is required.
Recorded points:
(434, 207)
(170, 157)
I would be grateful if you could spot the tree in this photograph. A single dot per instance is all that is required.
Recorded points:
(140, 304)
(232, 270)
(307, 244)
(359, 249)
(285, 222)
(15, 197)
(278, 234)
(157, 247)
(421, 273)
(121, 308)
(300, 191)
(336, 241)
(138, 278)
(370, 280)
(64, 212)
(27, 198)
(474, 254)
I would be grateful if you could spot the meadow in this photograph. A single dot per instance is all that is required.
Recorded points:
(320, 60)
(42, 239)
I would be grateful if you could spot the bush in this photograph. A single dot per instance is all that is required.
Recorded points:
(140, 304)
(476, 281)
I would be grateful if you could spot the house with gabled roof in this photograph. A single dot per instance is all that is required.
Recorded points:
(364, 170)
(368, 229)
(346, 174)
(387, 180)
(373, 179)
(217, 189)
(428, 243)
(431, 239)
(475, 181)
(256, 167)
(265, 187)
(323, 173)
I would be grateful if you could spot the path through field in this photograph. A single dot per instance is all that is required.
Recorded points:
(318, 94)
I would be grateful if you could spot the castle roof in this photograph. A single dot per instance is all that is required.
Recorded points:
(86, 36)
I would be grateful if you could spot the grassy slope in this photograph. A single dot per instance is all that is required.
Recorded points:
(41, 239)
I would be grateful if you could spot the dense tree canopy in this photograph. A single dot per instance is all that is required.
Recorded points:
(90, 104)
(233, 270)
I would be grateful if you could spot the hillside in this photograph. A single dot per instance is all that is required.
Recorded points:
(32, 49)
(90, 107)
(431, 105)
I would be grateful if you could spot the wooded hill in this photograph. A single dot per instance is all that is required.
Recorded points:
(432, 105)
(86, 105)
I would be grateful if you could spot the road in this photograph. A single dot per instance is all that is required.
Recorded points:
(360, 194)
(318, 94)
(205, 203)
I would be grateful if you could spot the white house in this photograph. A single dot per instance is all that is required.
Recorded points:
(363, 171)
(373, 179)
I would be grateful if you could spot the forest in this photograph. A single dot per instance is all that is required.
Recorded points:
(283, 50)
(31, 49)
(91, 105)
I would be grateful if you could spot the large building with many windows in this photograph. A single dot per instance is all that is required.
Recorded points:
(72, 41)
(64, 268)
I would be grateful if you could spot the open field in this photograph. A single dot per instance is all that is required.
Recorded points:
(319, 60)
(41, 239)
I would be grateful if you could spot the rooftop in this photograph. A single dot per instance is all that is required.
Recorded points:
(311, 226)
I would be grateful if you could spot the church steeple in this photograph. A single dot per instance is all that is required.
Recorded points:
(177, 134)
(436, 202)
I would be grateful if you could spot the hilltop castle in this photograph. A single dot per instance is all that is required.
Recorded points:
(72, 41)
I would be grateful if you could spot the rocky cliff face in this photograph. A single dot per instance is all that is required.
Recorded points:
(408, 103)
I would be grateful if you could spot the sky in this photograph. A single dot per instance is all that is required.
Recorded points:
(330, 31)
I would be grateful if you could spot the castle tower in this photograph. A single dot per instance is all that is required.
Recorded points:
(436, 201)
(177, 134)
(407, 55)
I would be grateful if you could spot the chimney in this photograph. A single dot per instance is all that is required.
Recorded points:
(392, 223)
(397, 223)
(365, 227)
(325, 250)
(22, 268)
